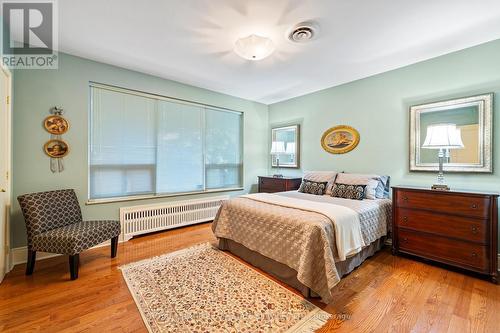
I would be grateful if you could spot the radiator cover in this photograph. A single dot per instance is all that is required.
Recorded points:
(137, 220)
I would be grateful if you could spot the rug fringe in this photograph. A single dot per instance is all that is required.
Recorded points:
(311, 323)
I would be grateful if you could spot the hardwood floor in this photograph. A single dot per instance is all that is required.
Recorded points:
(385, 294)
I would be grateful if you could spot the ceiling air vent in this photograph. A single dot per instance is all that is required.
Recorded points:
(303, 32)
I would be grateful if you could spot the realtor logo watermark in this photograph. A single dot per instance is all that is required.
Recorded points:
(29, 34)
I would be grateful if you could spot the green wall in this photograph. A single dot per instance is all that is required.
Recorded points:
(378, 108)
(36, 91)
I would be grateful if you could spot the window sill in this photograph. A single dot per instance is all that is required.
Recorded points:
(159, 196)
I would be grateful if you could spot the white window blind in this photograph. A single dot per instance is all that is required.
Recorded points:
(142, 144)
(223, 154)
(180, 148)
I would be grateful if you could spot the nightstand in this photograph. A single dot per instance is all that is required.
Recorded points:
(270, 184)
(457, 228)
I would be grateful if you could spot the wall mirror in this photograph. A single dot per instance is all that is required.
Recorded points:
(471, 121)
(285, 146)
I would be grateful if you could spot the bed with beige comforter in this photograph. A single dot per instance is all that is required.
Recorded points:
(302, 236)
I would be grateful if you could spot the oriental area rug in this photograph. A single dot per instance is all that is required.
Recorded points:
(203, 289)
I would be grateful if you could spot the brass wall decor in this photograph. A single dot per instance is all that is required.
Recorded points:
(340, 139)
(56, 148)
(56, 125)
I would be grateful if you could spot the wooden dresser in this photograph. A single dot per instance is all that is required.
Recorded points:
(272, 184)
(458, 228)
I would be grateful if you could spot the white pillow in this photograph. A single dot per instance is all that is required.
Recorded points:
(371, 182)
(321, 176)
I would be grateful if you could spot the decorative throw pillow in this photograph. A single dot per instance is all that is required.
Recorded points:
(312, 187)
(382, 191)
(348, 191)
(321, 176)
(371, 182)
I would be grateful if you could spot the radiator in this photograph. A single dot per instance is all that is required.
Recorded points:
(137, 220)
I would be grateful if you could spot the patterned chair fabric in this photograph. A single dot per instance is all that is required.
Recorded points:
(45, 211)
(54, 223)
(74, 238)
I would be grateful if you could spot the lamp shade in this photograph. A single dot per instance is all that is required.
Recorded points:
(254, 47)
(290, 148)
(278, 147)
(443, 136)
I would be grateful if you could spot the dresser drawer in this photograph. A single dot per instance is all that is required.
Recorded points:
(471, 229)
(449, 251)
(272, 185)
(475, 206)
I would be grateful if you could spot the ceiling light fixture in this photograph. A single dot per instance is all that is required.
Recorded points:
(254, 47)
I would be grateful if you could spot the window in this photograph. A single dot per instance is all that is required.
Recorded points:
(147, 145)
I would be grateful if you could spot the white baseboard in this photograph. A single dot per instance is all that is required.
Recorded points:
(19, 255)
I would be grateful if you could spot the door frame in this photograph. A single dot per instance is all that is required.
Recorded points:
(8, 252)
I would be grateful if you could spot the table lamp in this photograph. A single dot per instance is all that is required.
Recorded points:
(442, 137)
(290, 150)
(277, 148)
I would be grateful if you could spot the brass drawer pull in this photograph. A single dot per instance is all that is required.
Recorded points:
(474, 229)
(474, 255)
(405, 240)
(405, 219)
(405, 198)
(474, 206)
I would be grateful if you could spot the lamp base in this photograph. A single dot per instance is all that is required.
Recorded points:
(440, 187)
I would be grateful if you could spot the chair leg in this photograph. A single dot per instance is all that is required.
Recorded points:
(74, 262)
(114, 246)
(30, 266)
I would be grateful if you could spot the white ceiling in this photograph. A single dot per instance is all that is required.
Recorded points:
(191, 41)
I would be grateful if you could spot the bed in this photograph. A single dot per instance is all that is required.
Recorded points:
(291, 236)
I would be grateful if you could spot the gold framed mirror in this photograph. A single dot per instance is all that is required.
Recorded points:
(285, 147)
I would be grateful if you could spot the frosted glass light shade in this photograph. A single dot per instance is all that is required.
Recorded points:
(278, 147)
(254, 47)
(443, 136)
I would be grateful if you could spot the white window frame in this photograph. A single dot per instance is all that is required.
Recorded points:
(91, 201)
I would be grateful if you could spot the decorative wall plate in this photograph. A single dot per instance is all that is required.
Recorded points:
(340, 139)
(56, 125)
(56, 148)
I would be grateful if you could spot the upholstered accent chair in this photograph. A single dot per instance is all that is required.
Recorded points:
(54, 224)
